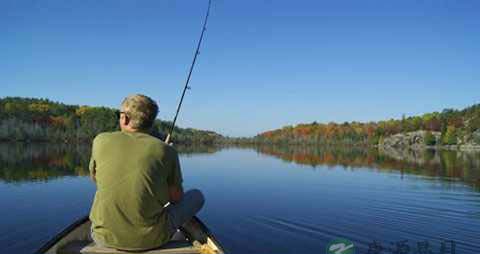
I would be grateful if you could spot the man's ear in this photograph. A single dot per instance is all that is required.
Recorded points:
(126, 120)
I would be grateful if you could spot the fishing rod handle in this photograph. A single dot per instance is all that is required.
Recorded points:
(167, 140)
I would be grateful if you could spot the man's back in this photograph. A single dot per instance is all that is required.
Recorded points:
(133, 173)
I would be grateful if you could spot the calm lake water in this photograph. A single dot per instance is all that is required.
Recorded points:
(269, 199)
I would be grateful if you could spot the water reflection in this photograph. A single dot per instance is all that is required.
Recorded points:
(450, 165)
(30, 162)
(41, 162)
(279, 206)
(198, 149)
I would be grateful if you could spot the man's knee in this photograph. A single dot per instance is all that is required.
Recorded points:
(197, 195)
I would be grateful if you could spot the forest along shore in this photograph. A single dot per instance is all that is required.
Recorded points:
(449, 129)
(41, 120)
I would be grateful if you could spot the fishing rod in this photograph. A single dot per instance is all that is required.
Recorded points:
(186, 87)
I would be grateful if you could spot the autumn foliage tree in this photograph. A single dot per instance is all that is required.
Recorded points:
(451, 123)
(29, 119)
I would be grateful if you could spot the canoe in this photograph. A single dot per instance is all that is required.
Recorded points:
(75, 239)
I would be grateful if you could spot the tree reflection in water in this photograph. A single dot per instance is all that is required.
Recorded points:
(448, 164)
(20, 162)
(29, 162)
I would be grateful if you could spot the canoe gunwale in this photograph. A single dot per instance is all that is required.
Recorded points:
(207, 231)
(85, 219)
(48, 245)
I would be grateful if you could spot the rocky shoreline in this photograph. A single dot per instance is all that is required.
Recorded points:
(416, 141)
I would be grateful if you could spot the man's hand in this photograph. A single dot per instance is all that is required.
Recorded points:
(175, 194)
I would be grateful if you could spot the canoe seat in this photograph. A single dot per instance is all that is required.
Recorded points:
(84, 247)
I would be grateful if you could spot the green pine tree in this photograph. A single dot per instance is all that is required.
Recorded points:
(430, 139)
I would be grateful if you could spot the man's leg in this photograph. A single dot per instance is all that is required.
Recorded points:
(181, 212)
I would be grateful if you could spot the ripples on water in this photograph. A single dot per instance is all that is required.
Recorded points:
(268, 199)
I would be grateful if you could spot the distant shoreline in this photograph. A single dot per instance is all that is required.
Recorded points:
(462, 148)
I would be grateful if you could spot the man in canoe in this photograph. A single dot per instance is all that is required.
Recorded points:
(136, 176)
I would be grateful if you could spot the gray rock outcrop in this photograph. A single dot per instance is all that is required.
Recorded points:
(410, 139)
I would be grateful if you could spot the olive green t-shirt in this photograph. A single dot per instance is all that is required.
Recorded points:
(133, 173)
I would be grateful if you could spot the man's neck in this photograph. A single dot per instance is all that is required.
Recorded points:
(131, 130)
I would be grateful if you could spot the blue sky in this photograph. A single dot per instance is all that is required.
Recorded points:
(263, 64)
